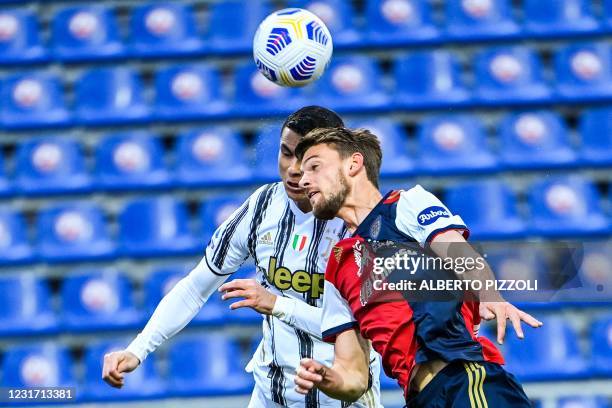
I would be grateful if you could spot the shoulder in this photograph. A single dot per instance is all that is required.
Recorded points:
(342, 256)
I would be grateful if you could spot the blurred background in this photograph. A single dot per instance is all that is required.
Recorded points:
(129, 130)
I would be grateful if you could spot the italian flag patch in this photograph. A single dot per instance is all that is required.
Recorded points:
(299, 242)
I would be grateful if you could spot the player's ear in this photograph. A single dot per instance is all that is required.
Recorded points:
(355, 163)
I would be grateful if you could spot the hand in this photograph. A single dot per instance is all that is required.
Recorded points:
(503, 311)
(117, 363)
(255, 296)
(308, 375)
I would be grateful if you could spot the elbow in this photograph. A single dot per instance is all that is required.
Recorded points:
(357, 390)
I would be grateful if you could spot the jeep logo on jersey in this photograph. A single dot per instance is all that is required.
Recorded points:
(431, 214)
(300, 281)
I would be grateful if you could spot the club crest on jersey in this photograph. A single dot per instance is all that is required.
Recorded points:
(337, 253)
(299, 242)
(432, 214)
(375, 228)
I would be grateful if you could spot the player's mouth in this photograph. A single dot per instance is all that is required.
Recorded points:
(294, 187)
(312, 194)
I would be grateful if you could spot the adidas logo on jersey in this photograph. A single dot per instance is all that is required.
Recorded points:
(431, 214)
(266, 239)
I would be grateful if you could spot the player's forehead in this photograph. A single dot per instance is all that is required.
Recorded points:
(324, 152)
(289, 137)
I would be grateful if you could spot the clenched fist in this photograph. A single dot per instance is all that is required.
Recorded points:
(117, 363)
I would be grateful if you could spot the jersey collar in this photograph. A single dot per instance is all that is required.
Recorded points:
(364, 227)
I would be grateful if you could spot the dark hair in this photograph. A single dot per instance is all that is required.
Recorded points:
(346, 142)
(312, 117)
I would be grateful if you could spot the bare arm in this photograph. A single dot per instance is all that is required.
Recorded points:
(452, 244)
(347, 379)
(295, 313)
(172, 314)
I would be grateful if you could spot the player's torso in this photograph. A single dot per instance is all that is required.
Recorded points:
(292, 249)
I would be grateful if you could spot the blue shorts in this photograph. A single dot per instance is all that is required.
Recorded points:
(463, 384)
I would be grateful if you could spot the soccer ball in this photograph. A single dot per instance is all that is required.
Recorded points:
(292, 47)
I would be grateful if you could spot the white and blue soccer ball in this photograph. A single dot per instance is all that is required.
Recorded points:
(292, 47)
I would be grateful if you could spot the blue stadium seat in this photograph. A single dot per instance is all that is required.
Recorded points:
(535, 140)
(489, 209)
(211, 156)
(51, 164)
(394, 143)
(353, 83)
(232, 25)
(6, 187)
(393, 22)
(509, 74)
(131, 161)
(338, 16)
(601, 345)
(110, 95)
(163, 279)
(14, 244)
(607, 5)
(216, 210)
(33, 100)
(453, 144)
(566, 206)
(521, 262)
(255, 95)
(38, 365)
(86, 33)
(207, 365)
(188, 92)
(266, 154)
(584, 71)
(594, 282)
(20, 38)
(558, 17)
(596, 132)
(144, 382)
(72, 232)
(156, 227)
(478, 19)
(164, 29)
(583, 402)
(429, 79)
(97, 300)
(550, 352)
(25, 305)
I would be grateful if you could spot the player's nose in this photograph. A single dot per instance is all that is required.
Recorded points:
(294, 170)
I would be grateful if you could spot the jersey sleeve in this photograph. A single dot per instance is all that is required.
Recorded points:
(422, 216)
(229, 246)
(337, 315)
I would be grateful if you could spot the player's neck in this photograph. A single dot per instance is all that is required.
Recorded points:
(358, 204)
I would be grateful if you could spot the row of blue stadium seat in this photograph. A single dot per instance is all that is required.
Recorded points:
(191, 360)
(103, 299)
(207, 365)
(503, 76)
(218, 156)
(98, 300)
(152, 227)
(171, 29)
(148, 227)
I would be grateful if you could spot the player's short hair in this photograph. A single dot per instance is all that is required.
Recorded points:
(346, 142)
(312, 117)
